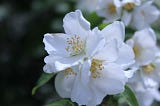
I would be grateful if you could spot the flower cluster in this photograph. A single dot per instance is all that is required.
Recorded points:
(93, 63)
(138, 14)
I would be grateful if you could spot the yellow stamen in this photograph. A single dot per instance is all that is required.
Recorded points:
(148, 68)
(129, 6)
(96, 67)
(75, 45)
(111, 8)
(136, 51)
(69, 71)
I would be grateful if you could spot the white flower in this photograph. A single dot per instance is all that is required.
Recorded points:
(145, 96)
(100, 74)
(144, 46)
(110, 9)
(125, 52)
(148, 74)
(87, 5)
(66, 50)
(97, 77)
(128, 7)
(145, 15)
(147, 63)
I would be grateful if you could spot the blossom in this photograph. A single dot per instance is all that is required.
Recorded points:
(145, 15)
(69, 48)
(147, 61)
(145, 96)
(128, 9)
(99, 75)
(87, 5)
(116, 30)
(144, 50)
(110, 9)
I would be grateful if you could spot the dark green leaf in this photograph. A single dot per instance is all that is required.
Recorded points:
(129, 96)
(62, 102)
(44, 78)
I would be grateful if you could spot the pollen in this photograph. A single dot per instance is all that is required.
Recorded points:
(111, 8)
(75, 45)
(148, 68)
(129, 6)
(69, 71)
(96, 68)
(136, 51)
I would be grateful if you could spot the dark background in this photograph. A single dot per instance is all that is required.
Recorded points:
(22, 26)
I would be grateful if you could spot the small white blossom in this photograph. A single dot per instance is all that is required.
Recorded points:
(144, 46)
(145, 96)
(145, 15)
(110, 9)
(147, 63)
(128, 9)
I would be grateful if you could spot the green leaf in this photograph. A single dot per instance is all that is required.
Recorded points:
(94, 19)
(62, 102)
(44, 78)
(129, 96)
(101, 26)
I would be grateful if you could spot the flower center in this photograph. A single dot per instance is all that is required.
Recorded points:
(69, 71)
(75, 45)
(136, 51)
(129, 6)
(148, 68)
(96, 67)
(111, 8)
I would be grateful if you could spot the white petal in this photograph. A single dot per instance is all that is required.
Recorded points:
(125, 56)
(109, 53)
(111, 80)
(56, 43)
(76, 24)
(126, 17)
(94, 43)
(116, 30)
(145, 15)
(81, 92)
(102, 10)
(64, 84)
(55, 64)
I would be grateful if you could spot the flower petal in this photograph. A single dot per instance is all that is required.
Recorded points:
(81, 92)
(111, 80)
(64, 84)
(75, 24)
(95, 42)
(109, 53)
(116, 30)
(126, 17)
(55, 44)
(125, 56)
(142, 15)
(55, 63)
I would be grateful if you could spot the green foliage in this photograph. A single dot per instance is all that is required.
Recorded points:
(101, 26)
(94, 19)
(62, 102)
(44, 78)
(110, 101)
(129, 96)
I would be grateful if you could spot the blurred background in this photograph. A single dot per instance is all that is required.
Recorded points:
(22, 26)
